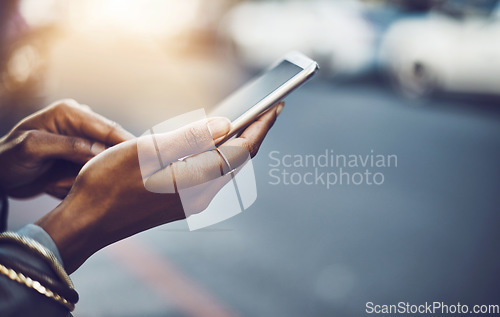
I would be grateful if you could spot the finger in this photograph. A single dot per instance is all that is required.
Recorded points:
(156, 151)
(197, 180)
(192, 138)
(252, 137)
(207, 166)
(96, 126)
(198, 169)
(70, 118)
(104, 130)
(192, 171)
(40, 145)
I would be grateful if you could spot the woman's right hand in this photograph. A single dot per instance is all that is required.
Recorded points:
(109, 200)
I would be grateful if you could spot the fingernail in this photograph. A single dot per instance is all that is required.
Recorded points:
(219, 127)
(97, 148)
(279, 108)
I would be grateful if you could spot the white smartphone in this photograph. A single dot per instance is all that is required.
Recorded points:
(246, 104)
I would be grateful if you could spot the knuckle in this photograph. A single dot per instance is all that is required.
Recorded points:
(64, 105)
(251, 147)
(28, 141)
(60, 105)
(86, 107)
(68, 102)
(76, 144)
(115, 125)
(191, 137)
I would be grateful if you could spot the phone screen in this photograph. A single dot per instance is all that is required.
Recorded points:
(249, 95)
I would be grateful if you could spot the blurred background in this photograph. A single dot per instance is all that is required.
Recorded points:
(419, 79)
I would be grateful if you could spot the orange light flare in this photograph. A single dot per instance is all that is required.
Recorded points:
(133, 60)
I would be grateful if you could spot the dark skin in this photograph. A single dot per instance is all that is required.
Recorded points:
(108, 200)
(44, 152)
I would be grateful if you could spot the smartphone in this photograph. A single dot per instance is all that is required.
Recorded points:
(246, 104)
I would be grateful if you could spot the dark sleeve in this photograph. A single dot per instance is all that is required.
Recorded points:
(4, 209)
(17, 299)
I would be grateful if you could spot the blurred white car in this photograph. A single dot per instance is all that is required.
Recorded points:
(439, 52)
(332, 32)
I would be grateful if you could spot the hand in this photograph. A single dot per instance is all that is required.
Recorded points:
(45, 151)
(109, 201)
